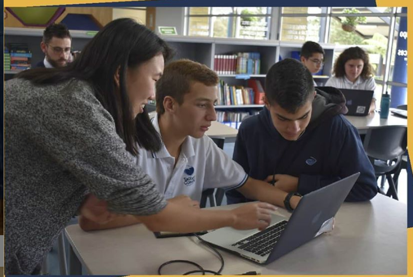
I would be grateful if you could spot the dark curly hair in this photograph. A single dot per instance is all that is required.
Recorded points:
(353, 53)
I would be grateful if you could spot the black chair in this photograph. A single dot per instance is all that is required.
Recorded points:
(150, 107)
(405, 156)
(385, 147)
(214, 196)
(402, 107)
(219, 193)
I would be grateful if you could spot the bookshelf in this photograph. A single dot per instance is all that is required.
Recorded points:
(200, 49)
(255, 106)
(241, 76)
(11, 72)
(204, 50)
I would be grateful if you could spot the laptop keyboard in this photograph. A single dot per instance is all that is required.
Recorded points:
(263, 242)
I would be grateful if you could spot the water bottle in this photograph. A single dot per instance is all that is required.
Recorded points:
(385, 105)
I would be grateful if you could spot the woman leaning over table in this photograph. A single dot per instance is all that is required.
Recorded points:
(74, 130)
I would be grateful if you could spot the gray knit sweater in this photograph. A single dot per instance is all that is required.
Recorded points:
(61, 142)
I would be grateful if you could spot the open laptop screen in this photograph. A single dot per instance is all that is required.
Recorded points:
(357, 101)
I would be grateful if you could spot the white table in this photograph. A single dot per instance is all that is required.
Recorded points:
(219, 130)
(369, 238)
(362, 123)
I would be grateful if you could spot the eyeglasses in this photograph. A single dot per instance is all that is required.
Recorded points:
(59, 50)
(317, 62)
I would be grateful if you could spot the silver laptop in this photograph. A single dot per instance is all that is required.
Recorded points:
(357, 101)
(399, 112)
(315, 210)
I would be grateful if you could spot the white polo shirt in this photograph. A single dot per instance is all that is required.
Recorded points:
(360, 83)
(201, 165)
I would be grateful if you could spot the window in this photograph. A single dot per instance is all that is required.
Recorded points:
(302, 10)
(229, 22)
(300, 29)
(320, 24)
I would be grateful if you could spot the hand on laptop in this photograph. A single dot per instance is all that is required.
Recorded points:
(253, 215)
(284, 182)
(185, 201)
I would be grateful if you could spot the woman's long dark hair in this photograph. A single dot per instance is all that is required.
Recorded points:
(120, 44)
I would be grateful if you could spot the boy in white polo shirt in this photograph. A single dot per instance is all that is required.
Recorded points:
(190, 162)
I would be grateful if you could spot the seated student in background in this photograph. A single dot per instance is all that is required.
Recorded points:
(56, 45)
(352, 70)
(189, 162)
(312, 56)
(300, 139)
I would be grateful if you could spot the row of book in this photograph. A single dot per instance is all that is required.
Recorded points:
(234, 119)
(17, 56)
(239, 95)
(240, 63)
(6, 59)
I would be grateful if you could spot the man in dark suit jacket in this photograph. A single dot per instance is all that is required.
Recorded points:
(56, 45)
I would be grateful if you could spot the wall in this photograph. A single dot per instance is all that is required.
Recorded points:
(173, 17)
(102, 15)
(138, 14)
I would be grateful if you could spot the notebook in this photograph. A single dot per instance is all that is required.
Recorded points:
(357, 101)
(315, 210)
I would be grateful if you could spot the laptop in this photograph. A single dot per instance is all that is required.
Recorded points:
(315, 210)
(357, 101)
(399, 112)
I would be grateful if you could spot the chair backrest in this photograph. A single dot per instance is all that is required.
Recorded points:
(209, 193)
(385, 142)
(150, 107)
(402, 107)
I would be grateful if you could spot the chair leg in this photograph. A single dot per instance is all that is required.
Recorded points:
(44, 269)
(61, 251)
(212, 202)
(383, 180)
(75, 264)
(397, 173)
(219, 195)
(207, 194)
(203, 201)
(392, 189)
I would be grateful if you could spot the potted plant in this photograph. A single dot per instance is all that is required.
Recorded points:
(350, 22)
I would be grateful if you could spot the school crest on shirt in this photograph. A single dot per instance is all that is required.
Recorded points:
(311, 161)
(189, 176)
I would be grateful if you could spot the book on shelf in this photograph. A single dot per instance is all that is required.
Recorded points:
(234, 95)
(18, 56)
(7, 60)
(233, 119)
(225, 64)
(248, 63)
(258, 91)
(240, 63)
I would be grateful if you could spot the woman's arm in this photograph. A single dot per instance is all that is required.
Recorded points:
(178, 217)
